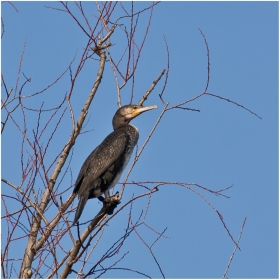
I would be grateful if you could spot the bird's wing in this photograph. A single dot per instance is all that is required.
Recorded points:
(100, 160)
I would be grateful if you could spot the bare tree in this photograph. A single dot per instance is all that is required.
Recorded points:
(39, 214)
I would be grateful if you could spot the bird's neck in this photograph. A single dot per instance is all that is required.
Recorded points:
(130, 130)
(134, 127)
(124, 125)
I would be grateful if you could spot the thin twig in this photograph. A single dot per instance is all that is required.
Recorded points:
(235, 248)
(208, 60)
(167, 72)
(149, 247)
(235, 103)
(145, 96)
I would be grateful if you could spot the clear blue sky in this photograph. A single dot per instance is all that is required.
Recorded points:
(217, 147)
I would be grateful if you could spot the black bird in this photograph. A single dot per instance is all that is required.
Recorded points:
(104, 166)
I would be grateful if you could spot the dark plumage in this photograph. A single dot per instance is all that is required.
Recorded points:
(104, 166)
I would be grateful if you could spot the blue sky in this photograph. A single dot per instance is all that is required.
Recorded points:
(220, 146)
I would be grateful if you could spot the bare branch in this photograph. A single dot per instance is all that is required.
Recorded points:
(235, 248)
(167, 72)
(150, 248)
(235, 103)
(27, 198)
(208, 60)
(144, 98)
(30, 253)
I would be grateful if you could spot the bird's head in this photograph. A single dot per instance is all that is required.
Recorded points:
(128, 112)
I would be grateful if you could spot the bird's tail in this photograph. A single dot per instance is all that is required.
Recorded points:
(80, 207)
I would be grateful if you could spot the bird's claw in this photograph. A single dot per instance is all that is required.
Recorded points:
(110, 203)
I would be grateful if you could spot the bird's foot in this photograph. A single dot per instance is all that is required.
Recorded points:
(110, 203)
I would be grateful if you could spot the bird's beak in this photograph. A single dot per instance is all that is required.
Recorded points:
(140, 110)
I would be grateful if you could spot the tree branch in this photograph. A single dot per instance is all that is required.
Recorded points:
(31, 249)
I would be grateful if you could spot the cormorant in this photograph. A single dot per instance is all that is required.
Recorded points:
(103, 167)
